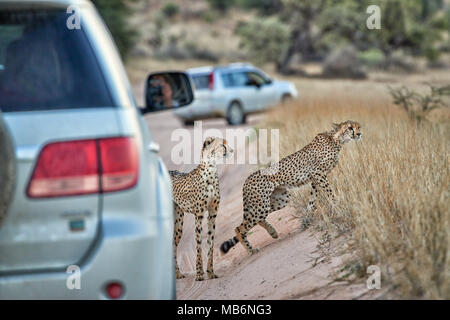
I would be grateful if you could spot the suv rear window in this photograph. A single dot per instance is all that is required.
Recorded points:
(201, 81)
(45, 65)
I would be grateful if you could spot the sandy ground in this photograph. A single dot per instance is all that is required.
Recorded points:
(291, 267)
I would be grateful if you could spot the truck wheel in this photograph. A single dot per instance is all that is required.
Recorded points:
(7, 169)
(235, 114)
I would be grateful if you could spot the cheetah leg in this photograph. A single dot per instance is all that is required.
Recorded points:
(270, 229)
(241, 235)
(312, 200)
(322, 181)
(198, 237)
(212, 213)
(251, 218)
(177, 233)
(278, 200)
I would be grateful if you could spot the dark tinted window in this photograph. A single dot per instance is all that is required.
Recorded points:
(201, 81)
(45, 65)
(256, 78)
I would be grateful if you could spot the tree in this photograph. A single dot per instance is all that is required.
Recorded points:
(265, 39)
(300, 15)
(115, 13)
(408, 25)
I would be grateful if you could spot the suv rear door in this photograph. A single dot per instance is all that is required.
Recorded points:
(51, 90)
(204, 86)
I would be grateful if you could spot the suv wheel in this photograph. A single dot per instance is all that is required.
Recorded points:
(286, 98)
(188, 123)
(235, 114)
(7, 169)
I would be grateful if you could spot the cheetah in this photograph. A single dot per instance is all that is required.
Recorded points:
(195, 192)
(266, 192)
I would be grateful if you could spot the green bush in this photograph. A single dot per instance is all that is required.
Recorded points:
(343, 63)
(170, 9)
(266, 7)
(210, 16)
(221, 5)
(264, 39)
(372, 57)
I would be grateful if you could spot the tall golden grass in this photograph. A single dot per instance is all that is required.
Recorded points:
(392, 187)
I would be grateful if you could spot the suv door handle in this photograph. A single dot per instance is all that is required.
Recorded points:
(153, 147)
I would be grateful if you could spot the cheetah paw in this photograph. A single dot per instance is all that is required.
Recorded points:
(199, 277)
(253, 251)
(179, 275)
(212, 275)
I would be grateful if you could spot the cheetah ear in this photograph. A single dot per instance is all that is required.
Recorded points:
(207, 142)
(335, 126)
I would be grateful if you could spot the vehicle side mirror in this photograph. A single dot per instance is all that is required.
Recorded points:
(269, 81)
(167, 90)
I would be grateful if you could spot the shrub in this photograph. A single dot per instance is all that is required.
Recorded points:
(419, 105)
(266, 7)
(221, 5)
(170, 9)
(265, 40)
(210, 16)
(372, 57)
(343, 63)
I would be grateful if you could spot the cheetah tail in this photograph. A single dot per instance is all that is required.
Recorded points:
(227, 245)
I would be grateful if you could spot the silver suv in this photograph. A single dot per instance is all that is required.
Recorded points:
(233, 91)
(91, 214)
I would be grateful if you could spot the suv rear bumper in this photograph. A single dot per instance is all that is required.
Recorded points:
(125, 253)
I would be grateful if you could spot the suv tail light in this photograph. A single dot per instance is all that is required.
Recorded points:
(84, 167)
(211, 81)
(119, 163)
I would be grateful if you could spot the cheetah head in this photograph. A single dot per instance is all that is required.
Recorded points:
(347, 131)
(217, 148)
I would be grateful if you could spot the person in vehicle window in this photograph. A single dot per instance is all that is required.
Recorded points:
(161, 92)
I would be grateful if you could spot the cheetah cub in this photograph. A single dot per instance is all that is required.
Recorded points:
(266, 192)
(195, 192)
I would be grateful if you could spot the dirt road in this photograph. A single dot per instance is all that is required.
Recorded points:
(291, 267)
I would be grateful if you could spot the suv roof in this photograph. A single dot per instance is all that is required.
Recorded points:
(206, 69)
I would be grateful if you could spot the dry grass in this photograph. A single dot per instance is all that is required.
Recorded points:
(392, 187)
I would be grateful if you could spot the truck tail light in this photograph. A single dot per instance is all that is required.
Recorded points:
(211, 81)
(84, 167)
